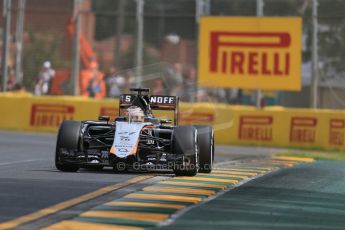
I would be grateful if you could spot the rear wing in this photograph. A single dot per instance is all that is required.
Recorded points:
(153, 102)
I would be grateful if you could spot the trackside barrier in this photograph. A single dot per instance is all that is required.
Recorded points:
(241, 125)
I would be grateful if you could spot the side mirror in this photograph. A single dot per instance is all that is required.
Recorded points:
(165, 121)
(120, 118)
(104, 118)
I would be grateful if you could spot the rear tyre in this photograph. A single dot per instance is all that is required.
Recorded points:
(206, 147)
(185, 142)
(68, 139)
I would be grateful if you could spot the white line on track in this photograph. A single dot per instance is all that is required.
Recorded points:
(20, 162)
(26, 142)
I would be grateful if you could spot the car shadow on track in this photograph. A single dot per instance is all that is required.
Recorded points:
(110, 171)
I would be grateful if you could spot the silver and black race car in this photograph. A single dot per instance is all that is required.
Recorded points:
(136, 139)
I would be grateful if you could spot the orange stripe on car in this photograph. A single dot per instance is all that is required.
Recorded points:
(112, 150)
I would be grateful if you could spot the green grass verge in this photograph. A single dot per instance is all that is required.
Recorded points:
(317, 155)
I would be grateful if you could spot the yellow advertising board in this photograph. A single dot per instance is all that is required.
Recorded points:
(240, 125)
(250, 52)
(300, 128)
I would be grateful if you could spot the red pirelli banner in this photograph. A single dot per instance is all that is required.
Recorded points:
(250, 52)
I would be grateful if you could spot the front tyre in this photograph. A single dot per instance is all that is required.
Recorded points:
(185, 142)
(206, 147)
(67, 139)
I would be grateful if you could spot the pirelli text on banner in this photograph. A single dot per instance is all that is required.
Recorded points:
(250, 52)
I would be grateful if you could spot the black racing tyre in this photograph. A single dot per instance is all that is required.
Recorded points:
(185, 141)
(206, 147)
(68, 138)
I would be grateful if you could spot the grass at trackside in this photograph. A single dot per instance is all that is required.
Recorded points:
(317, 155)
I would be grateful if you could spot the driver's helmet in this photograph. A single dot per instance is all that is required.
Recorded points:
(135, 114)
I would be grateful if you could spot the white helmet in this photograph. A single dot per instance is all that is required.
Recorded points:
(135, 114)
(47, 64)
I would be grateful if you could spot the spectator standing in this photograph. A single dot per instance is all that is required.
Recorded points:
(107, 77)
(158, 88)
(174, 79)
(95, 85)
(44, 81)
(11, 82)
(115, 83)
(190, 85)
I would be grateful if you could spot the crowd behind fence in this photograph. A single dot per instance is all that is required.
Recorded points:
(109, 48)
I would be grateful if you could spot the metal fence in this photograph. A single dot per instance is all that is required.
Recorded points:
(126, 43)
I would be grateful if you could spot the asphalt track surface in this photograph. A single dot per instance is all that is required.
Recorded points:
(307, 196)
(29, 181)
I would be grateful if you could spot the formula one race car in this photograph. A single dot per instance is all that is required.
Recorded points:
(136, 139)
